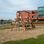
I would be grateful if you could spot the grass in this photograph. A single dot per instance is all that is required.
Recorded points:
(5, 26)
(38, 40)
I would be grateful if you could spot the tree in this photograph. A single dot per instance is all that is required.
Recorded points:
(2, 21)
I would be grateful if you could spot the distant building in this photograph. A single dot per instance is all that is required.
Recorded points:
(41, 11)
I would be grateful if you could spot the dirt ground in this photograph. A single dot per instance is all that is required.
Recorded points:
(8, 35)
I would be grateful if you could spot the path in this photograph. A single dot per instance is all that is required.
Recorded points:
(7, 35)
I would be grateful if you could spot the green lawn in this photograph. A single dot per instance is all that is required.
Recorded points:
(39, 40)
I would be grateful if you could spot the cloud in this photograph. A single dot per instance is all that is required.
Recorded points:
(12, 4)
(9, 7)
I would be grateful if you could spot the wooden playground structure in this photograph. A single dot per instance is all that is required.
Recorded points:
(25, 19)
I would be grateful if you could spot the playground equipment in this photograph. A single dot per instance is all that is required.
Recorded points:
(26, 19)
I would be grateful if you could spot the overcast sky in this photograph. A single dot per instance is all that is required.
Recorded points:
(8, 8)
